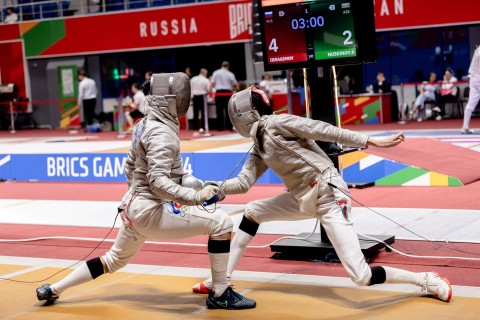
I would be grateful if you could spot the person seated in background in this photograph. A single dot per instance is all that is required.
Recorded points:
(347, 85)
(11, 17)
(428, 92)
(383, 86)
(448, 90)
(137, 106)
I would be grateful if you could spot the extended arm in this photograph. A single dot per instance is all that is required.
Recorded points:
(387, 142)
(252, 169)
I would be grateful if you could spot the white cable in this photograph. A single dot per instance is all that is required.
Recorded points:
(286, 237)
(96, 239)
(250, 247)
(416, 256)
(150, 242)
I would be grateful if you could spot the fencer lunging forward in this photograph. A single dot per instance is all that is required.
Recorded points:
(286, 144)
(152, 207)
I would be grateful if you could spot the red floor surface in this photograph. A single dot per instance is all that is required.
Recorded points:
(465, 197)
(254, 259)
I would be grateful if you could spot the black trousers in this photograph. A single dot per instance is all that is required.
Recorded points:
(443, 100)
(89, 110)
(221, 104)
(199, 105)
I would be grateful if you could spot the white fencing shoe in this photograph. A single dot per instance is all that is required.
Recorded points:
(438, 287)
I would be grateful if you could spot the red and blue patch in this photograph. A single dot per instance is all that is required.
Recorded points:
(344, 207)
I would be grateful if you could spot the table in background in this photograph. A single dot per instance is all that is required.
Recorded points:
(374, 108)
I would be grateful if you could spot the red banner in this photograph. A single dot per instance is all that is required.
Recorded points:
(9, 31)
(411, 14)
(11, 65)
(202, 24)
(222, 22)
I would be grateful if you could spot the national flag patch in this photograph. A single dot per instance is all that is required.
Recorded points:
(268, 14)
(344, 207)
(346, 5)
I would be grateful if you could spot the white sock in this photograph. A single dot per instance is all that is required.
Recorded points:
(78, 276)
(218, 263)
(394, 275)
(466, 118)
(240, 241)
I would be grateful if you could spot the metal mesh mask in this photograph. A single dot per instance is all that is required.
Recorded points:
(175, 85)
(242, 112)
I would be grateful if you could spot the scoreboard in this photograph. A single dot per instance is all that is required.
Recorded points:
(300, 34)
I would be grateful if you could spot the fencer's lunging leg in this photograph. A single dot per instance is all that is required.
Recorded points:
(90, 270)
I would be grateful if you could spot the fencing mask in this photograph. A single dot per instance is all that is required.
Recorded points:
(246, 107)
(175, 85)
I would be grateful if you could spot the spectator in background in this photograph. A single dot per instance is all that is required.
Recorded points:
(146, 85)
(200, 85)
(11, 17)
(383, 86)
(225, 83)
(347, 85)
(265, 83)
(448, 90)
(87, 97)
(242, 86)
(428, 92)
(188, 72)
(474, 95)
(137, 106)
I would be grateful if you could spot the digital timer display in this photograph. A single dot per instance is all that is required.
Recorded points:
(307, 33)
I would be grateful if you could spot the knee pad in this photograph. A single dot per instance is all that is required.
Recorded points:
(249, 226)
(95, 266)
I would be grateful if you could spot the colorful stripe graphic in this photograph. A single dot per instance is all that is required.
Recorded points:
(361, 166)
(39, 36)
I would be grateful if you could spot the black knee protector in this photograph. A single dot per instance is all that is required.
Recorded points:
(249, 226)
(378, 275)
(218, 246)
(95, 266)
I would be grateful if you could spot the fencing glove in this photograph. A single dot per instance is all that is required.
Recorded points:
(205, 194)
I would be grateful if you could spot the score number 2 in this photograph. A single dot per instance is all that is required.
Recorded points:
(347, 41)
(347, 33)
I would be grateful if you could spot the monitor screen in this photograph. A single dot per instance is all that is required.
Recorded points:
(301, 34)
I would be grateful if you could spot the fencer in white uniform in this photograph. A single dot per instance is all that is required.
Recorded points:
(162, 202)
(474, 95)
(286, 144)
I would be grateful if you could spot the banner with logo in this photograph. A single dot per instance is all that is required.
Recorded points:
(412, 14)
(159, 27)
(108, 167)
(203, 23)
(12, 68)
